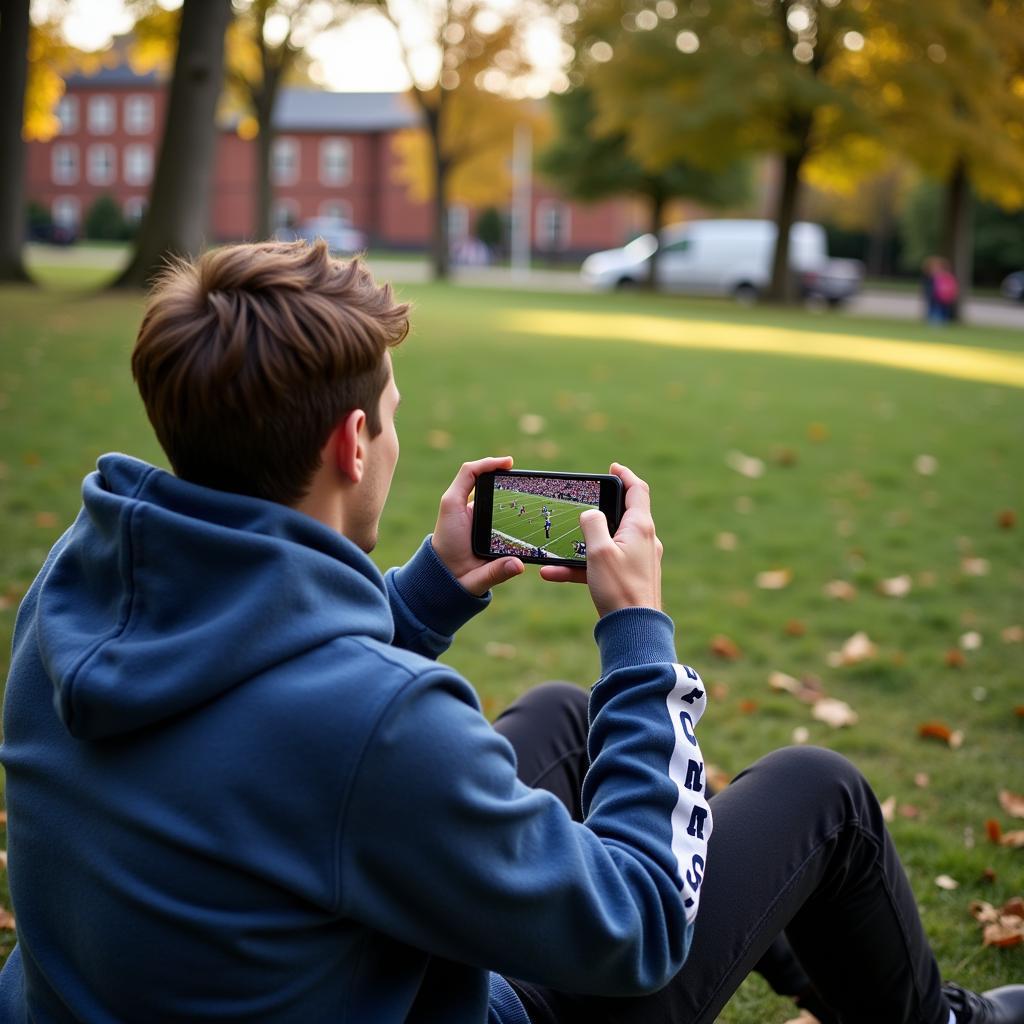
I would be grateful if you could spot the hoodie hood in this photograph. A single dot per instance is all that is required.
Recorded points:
(165, 594)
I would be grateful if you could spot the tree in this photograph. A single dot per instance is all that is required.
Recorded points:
(265, 49)
(590, 166)
(175, 220)
(14, 34)
(104, 220)
(707, 83)
(462, 61)
(950, 95)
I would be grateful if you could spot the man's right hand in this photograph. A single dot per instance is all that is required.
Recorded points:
(623, 571)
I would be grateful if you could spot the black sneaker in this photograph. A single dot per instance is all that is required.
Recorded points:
(997, 1006)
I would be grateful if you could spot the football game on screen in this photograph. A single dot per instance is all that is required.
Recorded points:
(540, 516)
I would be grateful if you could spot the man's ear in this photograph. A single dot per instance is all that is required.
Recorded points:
(345, 446)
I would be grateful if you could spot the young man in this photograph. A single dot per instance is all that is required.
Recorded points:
(240, 786)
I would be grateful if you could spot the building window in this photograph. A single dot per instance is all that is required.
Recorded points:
(101, 168)
(65, 164)
(285, 215)
(335, 162)
(138, 164)
(67, 114)
(65, 212)
(138, 115)
(285, 161)
(337, 209)
(134, 208)
(552, 225)
(458, 222)
(102, 115)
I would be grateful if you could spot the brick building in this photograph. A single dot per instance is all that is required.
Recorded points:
(333, 156)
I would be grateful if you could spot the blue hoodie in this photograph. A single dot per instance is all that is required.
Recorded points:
(240, 786)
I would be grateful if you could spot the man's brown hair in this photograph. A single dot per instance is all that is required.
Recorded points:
(248, 358)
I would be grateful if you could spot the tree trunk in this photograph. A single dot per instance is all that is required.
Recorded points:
(14, 29)
(439, 248)
(175, 222)
(957, 234)
(781, 287)
(657, 217)
(264, 178)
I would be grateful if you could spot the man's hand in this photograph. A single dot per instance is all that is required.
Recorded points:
(623, 571)
(452, 539)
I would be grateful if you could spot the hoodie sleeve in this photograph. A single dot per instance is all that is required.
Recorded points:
(428, 603)
(442, 848)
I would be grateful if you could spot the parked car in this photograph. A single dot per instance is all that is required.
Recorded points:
(1012, 287)
(727, 257)
(339, 235)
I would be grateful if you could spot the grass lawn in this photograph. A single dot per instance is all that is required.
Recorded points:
(765, 454)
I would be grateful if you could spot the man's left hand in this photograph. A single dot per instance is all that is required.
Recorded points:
(452, 539)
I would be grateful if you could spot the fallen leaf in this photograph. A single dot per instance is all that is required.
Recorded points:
(817, 432)
(840, 590)
(746, 465)
(982, 911)
(988, 875)
(717, 778)
(3, 859)
(897, 586)
(936, 731)
(1004, 934)
(922, 780)
(974, 566)
(774, 579)
(3, 817)
(956, 741)
(856, 649)
(1014, 905)
(719, 692)
(748, 706)
(726, 541)
(1007, 519)
(971, 641)
(531, 423)
(786, 456)
(1015, 840)
(1012, 803)
(926, 465)
(801, 734)
(46, 520)
(1013, 635)
(794, 627)
(439, 440)
(783, 682)
(496, 649)
(909, 811)
(836, 713)
(744, 505)
(724, 647)
(979, 693)
(6, 921)
(888, 806)
(945, 882)
(955, 658)
(993, 830)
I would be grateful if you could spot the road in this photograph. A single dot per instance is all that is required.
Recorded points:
(898, 305)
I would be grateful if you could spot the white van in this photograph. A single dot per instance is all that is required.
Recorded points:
(726, 257)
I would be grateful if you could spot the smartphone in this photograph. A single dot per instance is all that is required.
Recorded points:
(535, 514)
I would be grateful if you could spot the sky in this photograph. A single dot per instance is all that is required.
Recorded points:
(361, 56)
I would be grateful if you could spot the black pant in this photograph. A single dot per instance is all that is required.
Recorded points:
(802, 876)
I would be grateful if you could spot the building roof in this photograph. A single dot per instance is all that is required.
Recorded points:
(119, 75)
(313, 110)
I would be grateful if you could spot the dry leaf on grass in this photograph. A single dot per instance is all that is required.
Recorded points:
(801, 734)
(926, 465)
(1012, 803)
(946, 882)
(974, 566)
(439, 440)
(922, 780)
(1002, 926)
(940, 731)
(888, 806)
(726, 541)
(993, 830)
(794, 627)
(6, 921)
(496, 649)
(955, 658)
(1007, 519)
(856, 649)
(774, 579)
(746, 465)
(836, 713)
(724, 647)
(1013, 635)
(897, 586)
(1015, 840)
(531, 423)
(840, 590)
(971, 641)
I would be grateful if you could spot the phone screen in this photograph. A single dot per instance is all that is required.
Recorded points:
(535, 515)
